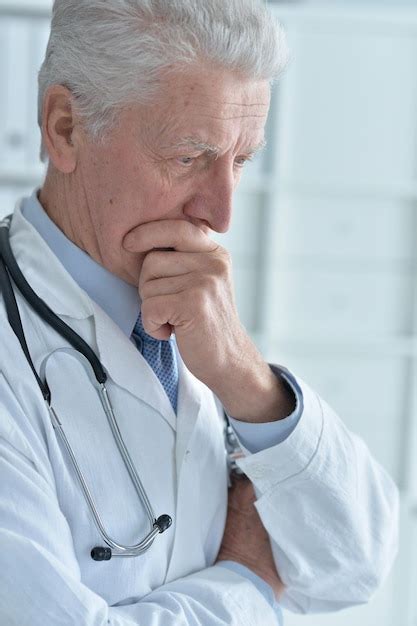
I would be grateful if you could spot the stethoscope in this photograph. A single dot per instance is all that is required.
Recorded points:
(9, 269)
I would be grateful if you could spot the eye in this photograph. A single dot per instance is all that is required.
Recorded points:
(186, 161)
(241, 161)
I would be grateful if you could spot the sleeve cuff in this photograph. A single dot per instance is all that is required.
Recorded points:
(276, 464)
(257, 437)
(260, 584)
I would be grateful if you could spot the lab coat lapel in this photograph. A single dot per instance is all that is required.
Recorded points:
(127, 367)
(190, 393)
(187, 539)
(44, 272)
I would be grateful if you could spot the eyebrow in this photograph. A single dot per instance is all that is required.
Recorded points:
(210, 149)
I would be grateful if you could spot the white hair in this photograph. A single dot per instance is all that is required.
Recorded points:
(111, 53)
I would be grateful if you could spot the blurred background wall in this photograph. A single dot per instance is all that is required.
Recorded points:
(324, 233)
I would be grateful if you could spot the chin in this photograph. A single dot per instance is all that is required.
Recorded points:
(130, 273)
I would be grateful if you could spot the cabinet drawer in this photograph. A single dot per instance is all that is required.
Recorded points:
(315, 228)
(330, 303)
(340, 105)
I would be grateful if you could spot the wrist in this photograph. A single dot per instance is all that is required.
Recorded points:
(256, 574)
(256, 395)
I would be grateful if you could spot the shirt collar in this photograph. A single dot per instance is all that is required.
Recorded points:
(118, 299)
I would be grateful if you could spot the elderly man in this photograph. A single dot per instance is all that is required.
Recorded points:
(114, 508)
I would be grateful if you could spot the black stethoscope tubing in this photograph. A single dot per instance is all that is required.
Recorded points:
(9, 268)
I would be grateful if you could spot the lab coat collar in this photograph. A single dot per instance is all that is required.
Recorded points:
(44, 272)
(116, 297)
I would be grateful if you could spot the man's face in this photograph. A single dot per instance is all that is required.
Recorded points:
(179, 158)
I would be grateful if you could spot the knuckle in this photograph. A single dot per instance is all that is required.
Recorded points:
(210, 282)
(222, 262)
(146, 308)
(153, 256)
(150, 308)
(150, 265)
(147, 290)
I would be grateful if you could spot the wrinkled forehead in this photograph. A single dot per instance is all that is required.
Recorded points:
(216, 108)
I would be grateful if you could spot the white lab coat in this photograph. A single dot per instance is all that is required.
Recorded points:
(328, 507)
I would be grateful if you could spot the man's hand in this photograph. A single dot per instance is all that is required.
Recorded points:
(189, 290)
(245, 540)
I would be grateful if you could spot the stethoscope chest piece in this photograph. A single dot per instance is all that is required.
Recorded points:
(101, 553)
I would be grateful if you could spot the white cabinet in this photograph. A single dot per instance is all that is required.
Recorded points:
(350, 92)
(23, 40)
(39, 35)
(14, 140)
(340, 291)
(341, 227)
(331, 301)
(26, 7)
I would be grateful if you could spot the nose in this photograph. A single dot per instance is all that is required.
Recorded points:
(212, 202)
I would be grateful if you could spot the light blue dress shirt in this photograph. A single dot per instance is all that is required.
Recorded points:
(121, 302)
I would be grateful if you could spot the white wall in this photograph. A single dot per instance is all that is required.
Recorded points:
(341, 291)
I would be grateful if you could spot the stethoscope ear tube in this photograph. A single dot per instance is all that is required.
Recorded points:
(14, 318)
(41, 308)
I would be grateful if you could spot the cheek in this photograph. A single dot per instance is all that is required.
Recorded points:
(131, 194)
(157, 201)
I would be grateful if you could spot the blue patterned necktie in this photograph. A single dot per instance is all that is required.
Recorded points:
(161, 357)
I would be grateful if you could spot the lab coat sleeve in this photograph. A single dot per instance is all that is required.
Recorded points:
(330, 509)
(256, 436)
(40, 580)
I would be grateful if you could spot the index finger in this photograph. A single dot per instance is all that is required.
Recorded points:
(179, 235)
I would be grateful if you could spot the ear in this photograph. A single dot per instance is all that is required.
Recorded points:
(60, 128)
